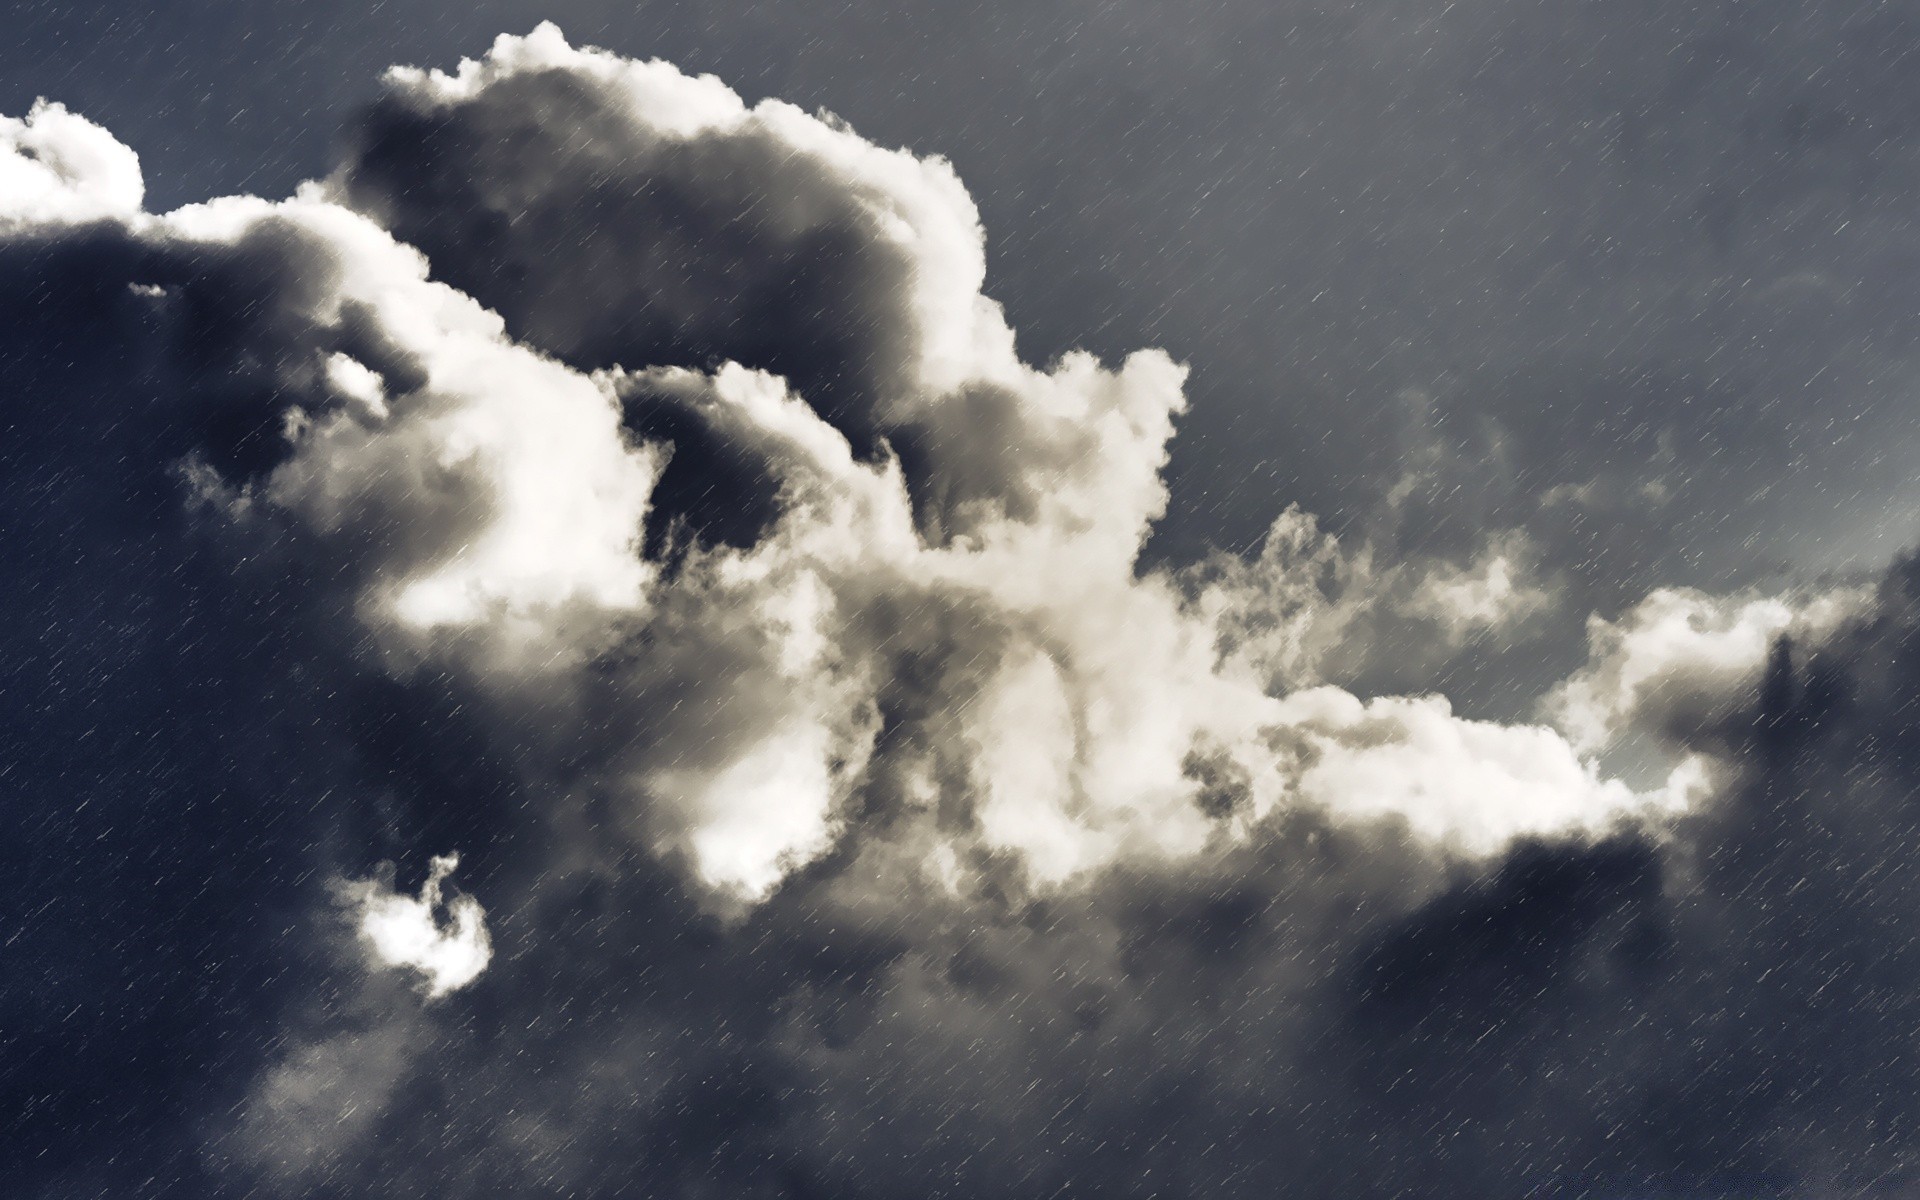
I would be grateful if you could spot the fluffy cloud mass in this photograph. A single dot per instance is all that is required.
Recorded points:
(406, 931)
(908, 597)
(910, 603)
(637, 487)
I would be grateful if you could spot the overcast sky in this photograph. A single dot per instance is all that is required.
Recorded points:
(1031, 599)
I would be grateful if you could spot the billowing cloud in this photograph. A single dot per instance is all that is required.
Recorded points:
(1674, 665)
(925, 599)
(925, 609)
(637, 489)
(57, 167)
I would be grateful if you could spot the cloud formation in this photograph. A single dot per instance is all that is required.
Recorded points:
(938, 624)
(407, 931)
(937, 617)
(636, 488)
(61, 168)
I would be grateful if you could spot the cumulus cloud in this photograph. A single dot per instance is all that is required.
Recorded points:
(57, 167)
(909, 594)
(1676, 663)
(641, 481)
(408, 931)
(946, 567)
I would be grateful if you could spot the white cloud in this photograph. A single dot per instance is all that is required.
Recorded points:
(1475, 785)
(958, 639)
(1680, 658)
(1027, 662)
(57, 167)
(409, 932)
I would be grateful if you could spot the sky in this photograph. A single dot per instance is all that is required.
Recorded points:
(1006, 600)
